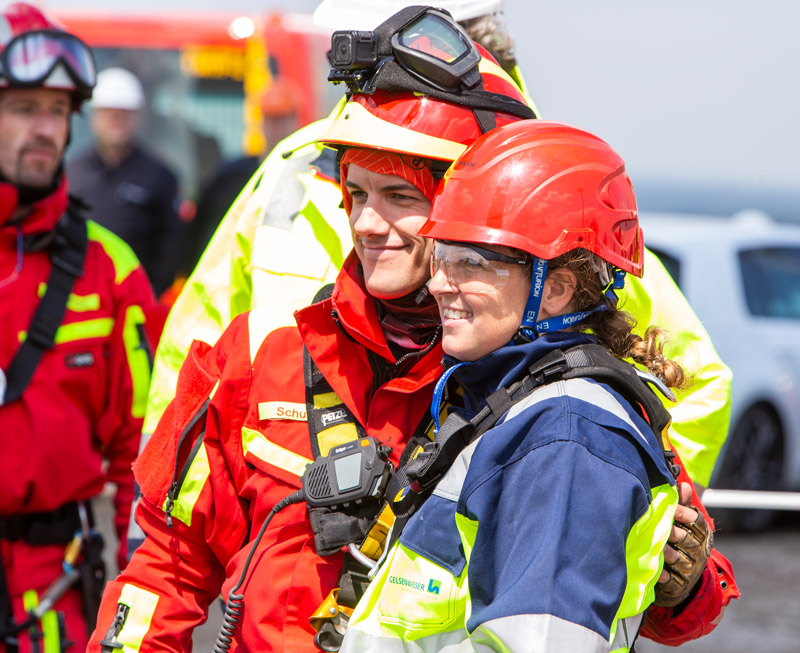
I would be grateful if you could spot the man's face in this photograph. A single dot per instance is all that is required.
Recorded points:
(386, 215)
(34, 127)
(115, 128)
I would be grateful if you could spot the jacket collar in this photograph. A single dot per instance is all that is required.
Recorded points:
(506, 365)
(43, 215)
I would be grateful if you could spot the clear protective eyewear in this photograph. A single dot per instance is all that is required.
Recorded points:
(30, 58)
(473, 269)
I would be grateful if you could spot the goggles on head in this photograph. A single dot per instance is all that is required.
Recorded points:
(418, 49)
(473, 269)
(30, 58)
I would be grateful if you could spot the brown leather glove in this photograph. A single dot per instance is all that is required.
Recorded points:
(693, 550)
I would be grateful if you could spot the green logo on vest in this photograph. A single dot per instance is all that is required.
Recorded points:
(434, 586)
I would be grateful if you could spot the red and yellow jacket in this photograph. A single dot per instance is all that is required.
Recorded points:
(232, 444)
(86, 399)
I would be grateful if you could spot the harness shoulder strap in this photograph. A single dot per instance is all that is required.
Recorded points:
(67, 255)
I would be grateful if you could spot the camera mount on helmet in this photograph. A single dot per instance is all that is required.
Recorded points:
(418, 49)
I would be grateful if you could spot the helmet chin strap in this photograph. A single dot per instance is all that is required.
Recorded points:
(532, 327)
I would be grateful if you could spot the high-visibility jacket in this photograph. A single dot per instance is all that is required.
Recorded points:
(546, 534)
(85, 402)
(235, 441)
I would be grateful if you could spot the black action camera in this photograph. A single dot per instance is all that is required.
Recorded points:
(353, 50)
(353, 472)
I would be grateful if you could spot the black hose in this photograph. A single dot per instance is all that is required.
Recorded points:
(235, 604)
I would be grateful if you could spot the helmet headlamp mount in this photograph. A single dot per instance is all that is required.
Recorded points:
(419, 49)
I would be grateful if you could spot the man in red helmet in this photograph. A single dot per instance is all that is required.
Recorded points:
(74, 359)
(224, 467)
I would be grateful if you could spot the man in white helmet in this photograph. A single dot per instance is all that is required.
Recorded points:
(130, 191)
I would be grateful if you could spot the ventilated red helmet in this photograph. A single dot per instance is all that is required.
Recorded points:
(418, 124)
(545, 188)
(36, 51)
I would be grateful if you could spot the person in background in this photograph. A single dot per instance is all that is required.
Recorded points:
(279, 104)
(255, 409)
(128, 190)
(74, 357)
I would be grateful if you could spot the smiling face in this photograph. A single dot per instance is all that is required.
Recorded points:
(387, 212)
(476, 323)
(34, 126)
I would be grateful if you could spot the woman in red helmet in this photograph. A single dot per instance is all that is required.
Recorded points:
(535, 225)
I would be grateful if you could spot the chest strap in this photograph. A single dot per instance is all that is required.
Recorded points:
(67, 254)
(582, 361)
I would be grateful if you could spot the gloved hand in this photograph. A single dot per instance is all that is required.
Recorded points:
(686, 553)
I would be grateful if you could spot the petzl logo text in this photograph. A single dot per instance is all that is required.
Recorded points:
(333, 416)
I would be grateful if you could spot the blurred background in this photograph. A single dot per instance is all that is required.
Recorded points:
(700, 98)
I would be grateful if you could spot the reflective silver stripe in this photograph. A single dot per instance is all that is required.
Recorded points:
(527, 633)
(579, 389)
(450, 486)
(537, 633)
(626, 633)
(358, 641)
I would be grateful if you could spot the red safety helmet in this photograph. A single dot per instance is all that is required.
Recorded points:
(542, 187)
(36, 51)
(418, 124)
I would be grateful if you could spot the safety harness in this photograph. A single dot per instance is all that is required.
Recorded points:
(372, 529)
(67, 251)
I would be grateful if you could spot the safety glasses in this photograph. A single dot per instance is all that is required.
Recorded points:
(427, 43)
(30, 58)
(473, 269)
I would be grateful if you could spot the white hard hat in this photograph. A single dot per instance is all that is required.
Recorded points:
(368, 14)
(117, 88)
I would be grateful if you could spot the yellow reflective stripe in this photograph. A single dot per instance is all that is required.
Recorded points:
(49, 621)
(258, 445)
(326, 400)
(323, 232)
(77, 303)
(336, 435)
(356, 125)
(142, 605)
(99, 328)
(138, 359)
(644, 553)
(118, 250)
(196, 476)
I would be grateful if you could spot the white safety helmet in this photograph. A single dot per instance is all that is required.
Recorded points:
(368, 14)
(117, 88)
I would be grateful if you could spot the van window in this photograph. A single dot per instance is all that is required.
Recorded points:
(771, 279)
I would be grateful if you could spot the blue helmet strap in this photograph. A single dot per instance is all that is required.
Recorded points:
(438, 393)
(528, 327)
(531, 328)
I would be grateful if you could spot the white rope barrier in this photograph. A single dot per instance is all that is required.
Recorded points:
(713, 498)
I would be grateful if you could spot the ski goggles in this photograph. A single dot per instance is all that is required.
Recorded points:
(473, 269)
(30, 58)
(427, 43)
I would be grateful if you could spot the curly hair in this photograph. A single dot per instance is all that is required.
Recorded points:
(491, 32)
(613, 327)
